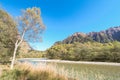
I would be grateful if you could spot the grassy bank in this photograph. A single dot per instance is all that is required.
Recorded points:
(27, 71)
(62, 71)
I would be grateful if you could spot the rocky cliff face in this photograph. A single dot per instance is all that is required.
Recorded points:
(109, 35)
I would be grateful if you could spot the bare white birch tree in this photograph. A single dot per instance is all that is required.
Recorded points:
(30, 28)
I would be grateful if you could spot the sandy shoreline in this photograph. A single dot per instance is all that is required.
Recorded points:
(66, 61)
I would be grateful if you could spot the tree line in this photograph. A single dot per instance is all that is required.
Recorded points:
(88, 51)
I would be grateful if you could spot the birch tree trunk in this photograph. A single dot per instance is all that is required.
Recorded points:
(14, 55)
(15, 50)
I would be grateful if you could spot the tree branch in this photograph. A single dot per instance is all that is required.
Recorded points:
(22, 37)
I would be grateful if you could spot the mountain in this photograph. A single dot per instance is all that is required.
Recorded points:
(109, 35)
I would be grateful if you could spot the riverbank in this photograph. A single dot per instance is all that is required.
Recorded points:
(66, 61)
(83, 70)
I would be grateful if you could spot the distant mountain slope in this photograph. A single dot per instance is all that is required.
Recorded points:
(111, 34)
(24, 47)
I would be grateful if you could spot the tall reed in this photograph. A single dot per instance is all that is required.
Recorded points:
(27, 71)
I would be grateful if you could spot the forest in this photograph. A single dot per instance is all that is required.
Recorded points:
(88, 51)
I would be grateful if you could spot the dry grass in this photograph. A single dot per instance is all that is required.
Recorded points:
(53, 71)
(2, 68)
(0, 71)
(27, 71)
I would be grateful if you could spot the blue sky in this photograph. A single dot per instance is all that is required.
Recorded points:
(65, 17)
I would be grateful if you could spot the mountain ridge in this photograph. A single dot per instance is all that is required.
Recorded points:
(104, 36)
